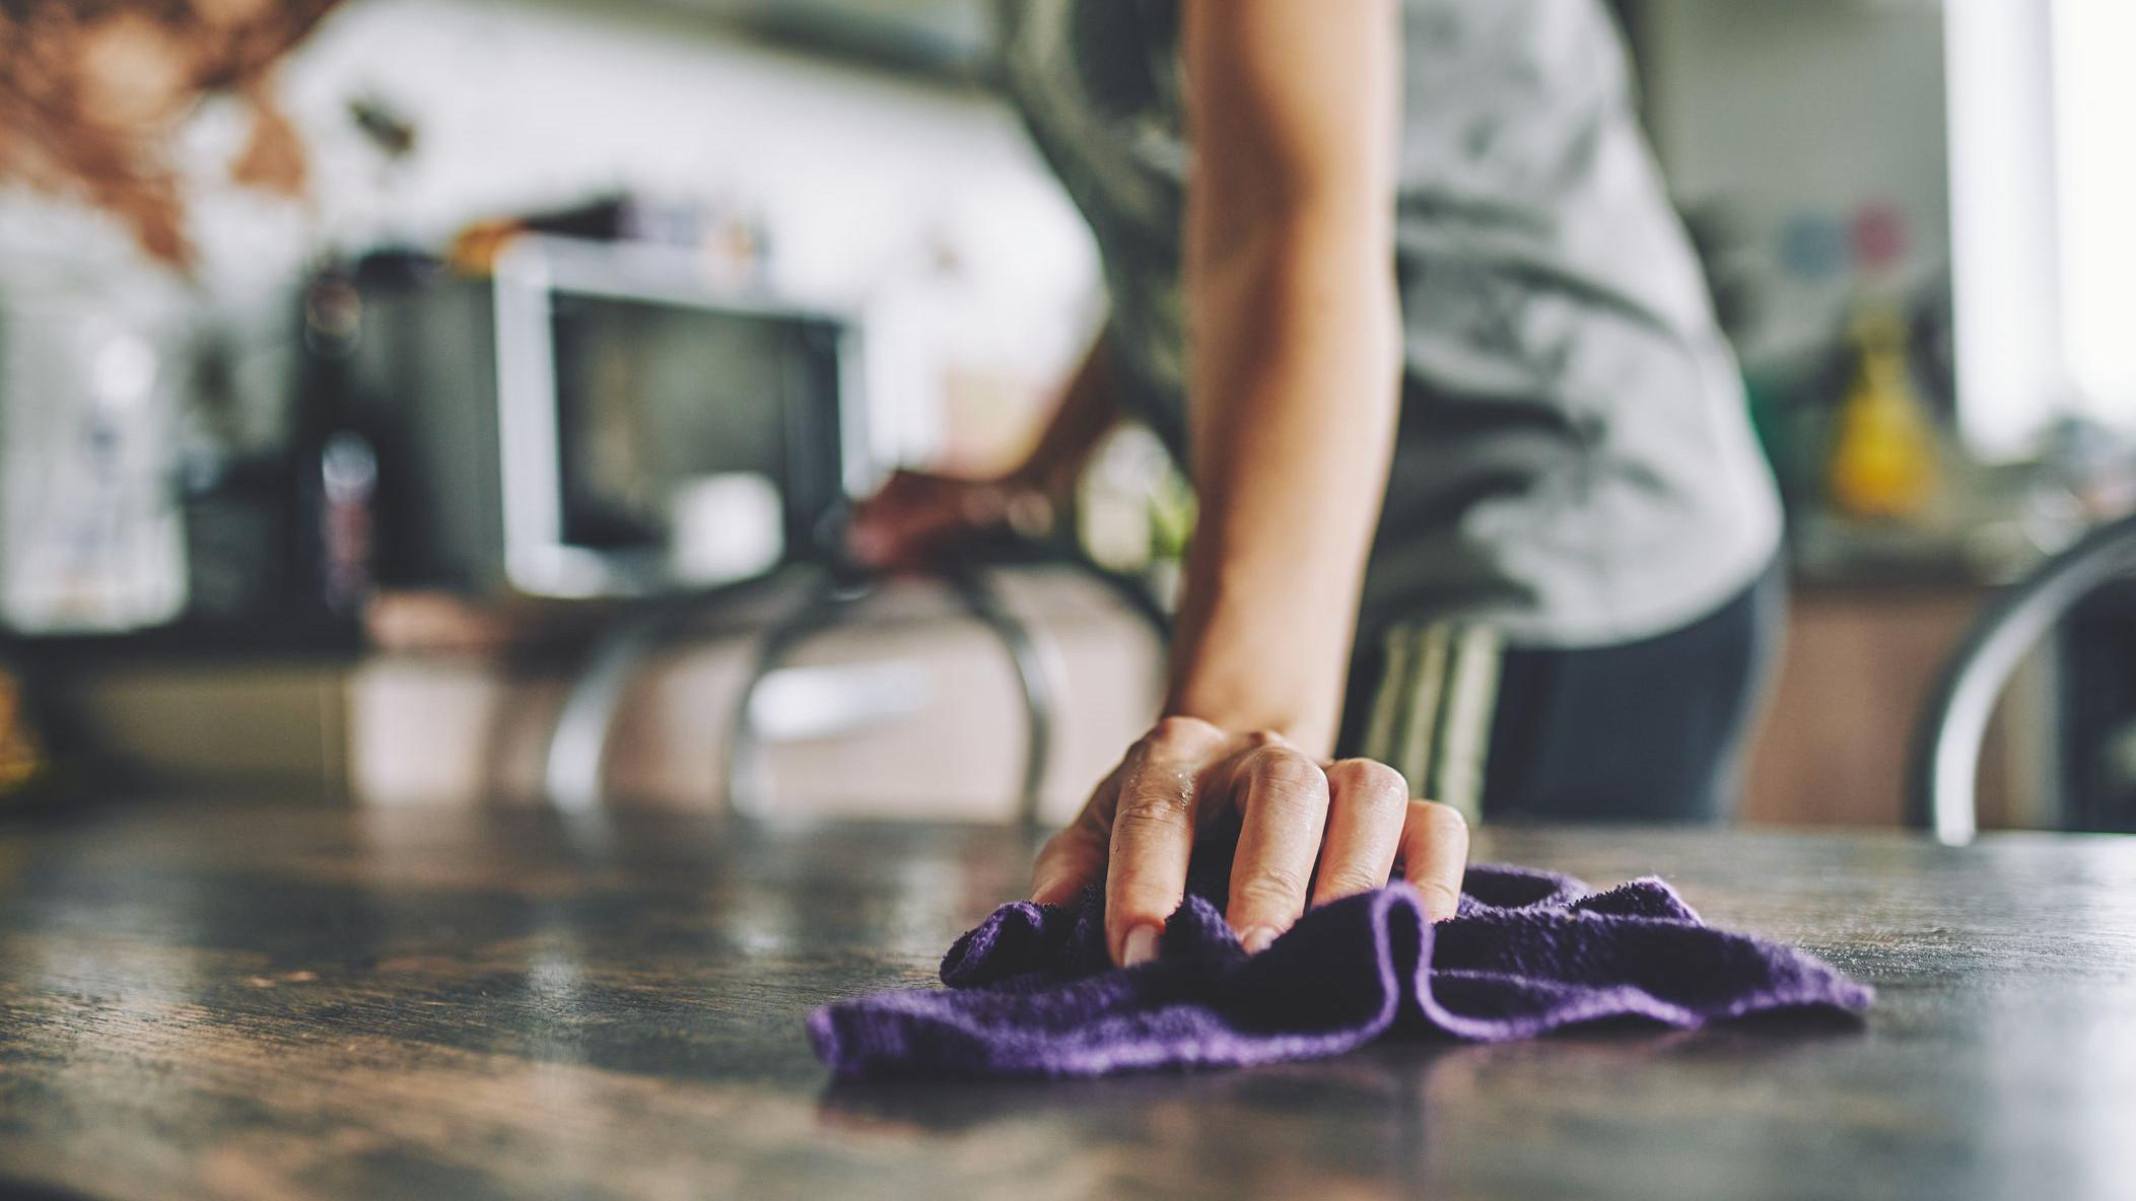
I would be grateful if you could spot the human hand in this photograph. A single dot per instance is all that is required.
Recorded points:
(1310, 832)
(917, 518)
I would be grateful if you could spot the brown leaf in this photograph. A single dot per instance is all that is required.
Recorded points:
(92, 90)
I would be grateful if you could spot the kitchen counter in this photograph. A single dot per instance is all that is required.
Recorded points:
(222, 999)
(460, 701)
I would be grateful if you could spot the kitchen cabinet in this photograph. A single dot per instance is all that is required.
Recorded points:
(909, 710)
(1858, 662)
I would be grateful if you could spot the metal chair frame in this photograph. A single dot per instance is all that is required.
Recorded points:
(572, 775)
(1945, 755)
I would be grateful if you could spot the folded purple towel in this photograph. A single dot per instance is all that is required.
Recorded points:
(1032, 993)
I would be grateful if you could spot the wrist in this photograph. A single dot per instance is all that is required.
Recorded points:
(1244, 711)
(1253, 650)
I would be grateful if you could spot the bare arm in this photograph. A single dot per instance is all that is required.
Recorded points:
(1293, 367)
(1293, 382)
(1088, 410)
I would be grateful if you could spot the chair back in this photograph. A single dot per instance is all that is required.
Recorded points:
(1948, 734)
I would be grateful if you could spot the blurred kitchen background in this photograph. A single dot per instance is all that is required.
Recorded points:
(456, 400)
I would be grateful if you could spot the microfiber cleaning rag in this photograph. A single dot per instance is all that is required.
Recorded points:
(1031, 992)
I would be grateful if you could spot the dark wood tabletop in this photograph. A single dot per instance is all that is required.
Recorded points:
(260, 1001)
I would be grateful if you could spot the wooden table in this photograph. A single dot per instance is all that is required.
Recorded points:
(280, 1002)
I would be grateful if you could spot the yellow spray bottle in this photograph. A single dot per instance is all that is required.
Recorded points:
(1884, 461)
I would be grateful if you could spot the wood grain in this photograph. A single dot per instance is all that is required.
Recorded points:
(259, 1001)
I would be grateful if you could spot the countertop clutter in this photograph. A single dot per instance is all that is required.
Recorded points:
(263, 1000)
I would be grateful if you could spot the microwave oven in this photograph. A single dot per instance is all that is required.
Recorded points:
(541, 428)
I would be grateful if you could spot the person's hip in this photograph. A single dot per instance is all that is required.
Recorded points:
(1646, 729)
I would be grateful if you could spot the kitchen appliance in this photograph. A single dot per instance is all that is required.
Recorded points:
(543, 430)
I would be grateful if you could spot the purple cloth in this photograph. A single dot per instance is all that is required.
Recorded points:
(1031, 992)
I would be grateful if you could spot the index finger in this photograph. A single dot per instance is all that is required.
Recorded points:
(1153, 834)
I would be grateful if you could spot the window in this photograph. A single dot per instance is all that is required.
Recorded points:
(2042, 188)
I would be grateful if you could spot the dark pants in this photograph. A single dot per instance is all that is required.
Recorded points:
(1652, 730)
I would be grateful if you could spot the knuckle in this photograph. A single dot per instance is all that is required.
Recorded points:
(1176, 731)
(1261, 738)
(1282, 775)
(1283, 763)
(1369, 779)
(1155, 804)
(1348, 882)
(1269, 887)
(1441, 821)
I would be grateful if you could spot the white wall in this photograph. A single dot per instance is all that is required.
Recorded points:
(516, 101)
(1787, 107)
(867, 180)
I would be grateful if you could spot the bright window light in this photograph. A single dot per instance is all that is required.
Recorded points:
(2043, 248)
(2003, 249)
(2095, 151)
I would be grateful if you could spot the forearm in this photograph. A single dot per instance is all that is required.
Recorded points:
(1295, 376)
(1087, 411)
(1292, 367)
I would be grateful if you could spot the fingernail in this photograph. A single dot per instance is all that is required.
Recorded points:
(1257, 939)
(1140, 947)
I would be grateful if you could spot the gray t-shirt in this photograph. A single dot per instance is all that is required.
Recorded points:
(1575, 464)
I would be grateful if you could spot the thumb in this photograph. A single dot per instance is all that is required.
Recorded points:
(1068, 864)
